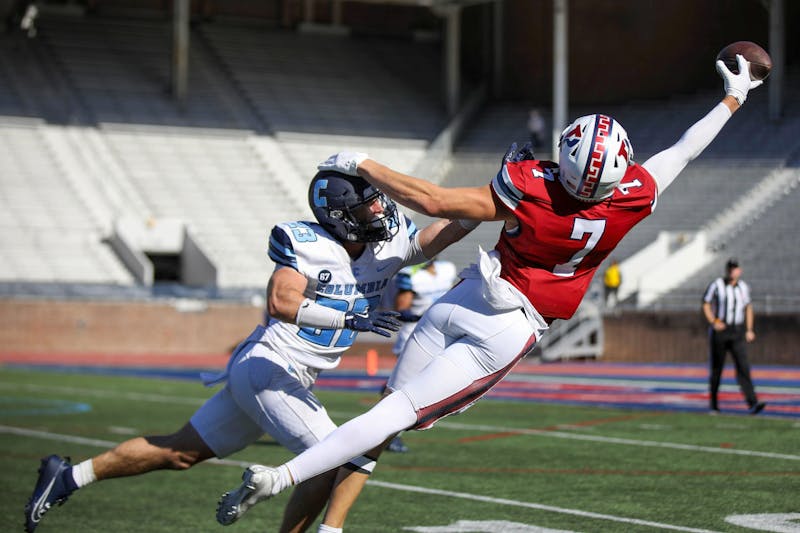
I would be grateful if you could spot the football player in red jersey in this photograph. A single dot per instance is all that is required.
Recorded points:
(561, 221)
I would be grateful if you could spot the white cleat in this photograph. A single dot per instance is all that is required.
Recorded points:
(257, 484)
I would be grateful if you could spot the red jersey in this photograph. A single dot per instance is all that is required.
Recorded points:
(560, 242)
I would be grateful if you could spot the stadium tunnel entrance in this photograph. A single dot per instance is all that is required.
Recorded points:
(162, 249)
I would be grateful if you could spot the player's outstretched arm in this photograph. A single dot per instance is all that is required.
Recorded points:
(422, 196)
(666, 165)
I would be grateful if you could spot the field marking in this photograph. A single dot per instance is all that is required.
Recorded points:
(591, 471)
(58, 437)
(100, 393)
(617, 440)
(779, 522)
(528, 505)
(383, 484)
(641, 383)
(442, 424)
(484, 526)
(573, 425)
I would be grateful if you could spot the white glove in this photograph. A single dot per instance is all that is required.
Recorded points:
(737, 85)
(344, 162)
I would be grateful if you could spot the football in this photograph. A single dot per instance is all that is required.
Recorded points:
(760, 62)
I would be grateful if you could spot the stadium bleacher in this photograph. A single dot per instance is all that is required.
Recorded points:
(91, 134)
(210, 161)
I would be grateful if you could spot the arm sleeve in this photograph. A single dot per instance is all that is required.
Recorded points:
(281, 249)
(708, 296)
(508, 186)
(412, 228)
(415, 254)
(666, 165)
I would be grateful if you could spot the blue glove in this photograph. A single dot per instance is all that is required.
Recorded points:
(380, 322)
(407, 316)
(513, 155)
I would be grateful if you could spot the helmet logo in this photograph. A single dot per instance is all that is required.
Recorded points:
(623, 151)
(597, 157)
(342, 205)
(320, 201)
(572, 137)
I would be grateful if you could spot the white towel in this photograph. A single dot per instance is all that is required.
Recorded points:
(499, 293)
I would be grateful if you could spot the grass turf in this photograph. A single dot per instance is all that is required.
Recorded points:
(537, 465)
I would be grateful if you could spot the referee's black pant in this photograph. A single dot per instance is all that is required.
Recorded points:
(731, 339)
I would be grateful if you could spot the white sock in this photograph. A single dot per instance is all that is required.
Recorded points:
(328, 529)
(83, 473)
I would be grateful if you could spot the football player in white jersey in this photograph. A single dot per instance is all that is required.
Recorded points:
(328, 280)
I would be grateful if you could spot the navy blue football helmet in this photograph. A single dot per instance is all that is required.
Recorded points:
(340, 204)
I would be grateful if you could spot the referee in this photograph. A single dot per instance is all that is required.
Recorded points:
(728, 309)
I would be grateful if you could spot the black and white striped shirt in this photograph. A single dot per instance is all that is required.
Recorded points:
(728, 302)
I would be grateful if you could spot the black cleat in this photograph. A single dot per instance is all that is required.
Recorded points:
(50, 490)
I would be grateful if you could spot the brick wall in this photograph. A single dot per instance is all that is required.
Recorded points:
(39, 326)
(682, 338)
(160, 329)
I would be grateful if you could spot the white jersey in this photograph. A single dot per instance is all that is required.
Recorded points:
(427, 287)
(334, 280)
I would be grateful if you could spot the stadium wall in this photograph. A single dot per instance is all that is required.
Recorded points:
(682, 338)
(203, 334)
(182, 328)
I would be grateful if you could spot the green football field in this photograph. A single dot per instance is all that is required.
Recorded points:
(501, 466)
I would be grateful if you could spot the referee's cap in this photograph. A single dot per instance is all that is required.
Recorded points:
(732, 263)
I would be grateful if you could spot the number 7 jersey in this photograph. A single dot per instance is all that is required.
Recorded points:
(554, 252)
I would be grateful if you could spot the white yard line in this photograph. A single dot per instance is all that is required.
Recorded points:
(615, 440)
(528, 505)
(393, 486)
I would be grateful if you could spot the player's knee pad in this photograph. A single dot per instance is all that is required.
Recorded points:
(363, 464)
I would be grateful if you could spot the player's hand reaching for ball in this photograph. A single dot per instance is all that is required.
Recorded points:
(737, 85)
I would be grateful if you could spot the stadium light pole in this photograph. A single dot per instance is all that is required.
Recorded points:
(776, 51)
(497, 45)
(180, 49)
(452, 57)
(560, 71)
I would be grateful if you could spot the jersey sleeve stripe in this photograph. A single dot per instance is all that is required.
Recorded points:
(403, 282)
(412, 228)
(506, 190)
(281, 250)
